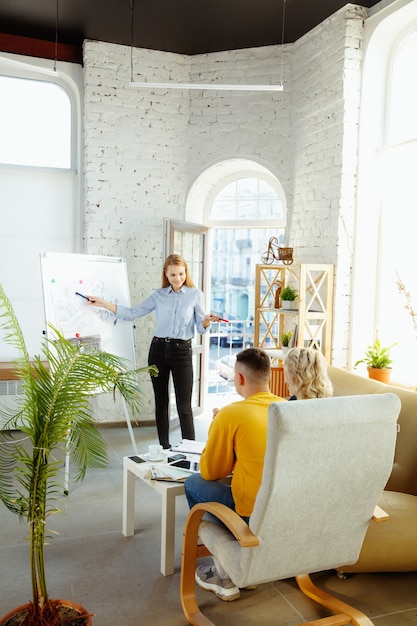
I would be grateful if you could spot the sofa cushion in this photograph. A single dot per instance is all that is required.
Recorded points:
(390, 546)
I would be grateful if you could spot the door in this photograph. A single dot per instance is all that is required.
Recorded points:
(191, 242)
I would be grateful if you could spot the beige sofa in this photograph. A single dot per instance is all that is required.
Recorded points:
(390, 546)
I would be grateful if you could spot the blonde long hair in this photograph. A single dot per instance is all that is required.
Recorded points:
(176, 259)
(306, 374)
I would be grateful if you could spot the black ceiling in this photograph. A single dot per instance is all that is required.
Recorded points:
(182, 26)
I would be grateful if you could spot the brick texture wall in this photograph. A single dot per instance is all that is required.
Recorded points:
(144, 149)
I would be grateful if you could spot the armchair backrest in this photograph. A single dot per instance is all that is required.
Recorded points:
(327, 462)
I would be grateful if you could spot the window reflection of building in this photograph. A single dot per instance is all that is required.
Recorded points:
(235, 254)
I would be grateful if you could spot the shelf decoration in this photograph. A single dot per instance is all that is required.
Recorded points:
(276, 252)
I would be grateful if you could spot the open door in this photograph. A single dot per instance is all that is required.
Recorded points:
(191, 242)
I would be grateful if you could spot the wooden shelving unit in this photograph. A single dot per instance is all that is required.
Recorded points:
(311, 320)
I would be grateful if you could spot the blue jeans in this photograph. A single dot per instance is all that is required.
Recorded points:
(173, 358)
(197, 490)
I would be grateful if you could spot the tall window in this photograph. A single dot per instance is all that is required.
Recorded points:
(38, 193)
(244, 205)
(244, 214)
(386, 215)
(399, 208)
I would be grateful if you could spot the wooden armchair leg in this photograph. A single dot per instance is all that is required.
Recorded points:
(190, 552)
(344, 613)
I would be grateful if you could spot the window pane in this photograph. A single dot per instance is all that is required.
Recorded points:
(247, 199)
(35, 123)
(235, 253)
(403, 118)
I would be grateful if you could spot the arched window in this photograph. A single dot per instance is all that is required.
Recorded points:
(244, 205)
(398, 257)
(39, 183)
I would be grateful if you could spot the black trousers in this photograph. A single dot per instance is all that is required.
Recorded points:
(175, 358)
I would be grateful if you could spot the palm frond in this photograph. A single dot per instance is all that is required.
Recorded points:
(87, 448)
(11, 454)
(13, 333)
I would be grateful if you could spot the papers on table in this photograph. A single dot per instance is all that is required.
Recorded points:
(168, 473)
(189, 446)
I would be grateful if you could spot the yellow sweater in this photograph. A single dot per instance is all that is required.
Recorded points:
(236, 444)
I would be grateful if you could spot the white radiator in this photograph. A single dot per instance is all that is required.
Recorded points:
(9, 389)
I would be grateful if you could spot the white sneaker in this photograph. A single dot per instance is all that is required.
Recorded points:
(206, 577)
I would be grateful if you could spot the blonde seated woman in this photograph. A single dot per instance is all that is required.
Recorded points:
(305, 372)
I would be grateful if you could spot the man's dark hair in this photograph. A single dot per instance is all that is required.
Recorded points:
(256, 361)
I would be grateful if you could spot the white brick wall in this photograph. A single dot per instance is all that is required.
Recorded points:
(144, 149)
(326, 82)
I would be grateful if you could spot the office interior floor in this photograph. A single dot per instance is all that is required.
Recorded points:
(118, 578)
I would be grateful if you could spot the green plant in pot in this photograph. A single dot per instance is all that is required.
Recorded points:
(53, 414)
(378, 360)
(286, 340)
(288, 295)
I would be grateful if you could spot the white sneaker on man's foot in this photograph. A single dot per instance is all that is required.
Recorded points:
(207, 578)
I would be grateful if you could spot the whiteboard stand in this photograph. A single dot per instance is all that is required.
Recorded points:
(129, 426)
(66, 474)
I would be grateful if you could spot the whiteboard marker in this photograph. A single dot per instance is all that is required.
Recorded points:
(77, 293)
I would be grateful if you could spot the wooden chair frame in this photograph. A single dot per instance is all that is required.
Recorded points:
(342, 613)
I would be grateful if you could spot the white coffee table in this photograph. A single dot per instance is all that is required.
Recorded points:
(169, 491)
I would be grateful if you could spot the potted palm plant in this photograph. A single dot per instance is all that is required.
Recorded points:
(378, 360)
(53, 413)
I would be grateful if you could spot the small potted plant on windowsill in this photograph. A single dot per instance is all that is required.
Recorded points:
(54, 414)
(288, 296)
(378, 360)
(285, 341)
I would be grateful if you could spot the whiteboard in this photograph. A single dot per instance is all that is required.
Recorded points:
(106, 277)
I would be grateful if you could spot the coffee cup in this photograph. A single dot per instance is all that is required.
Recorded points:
(155, 452)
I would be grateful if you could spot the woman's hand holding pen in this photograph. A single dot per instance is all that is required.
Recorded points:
(96, 301)
(211, 317)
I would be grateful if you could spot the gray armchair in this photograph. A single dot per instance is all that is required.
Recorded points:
(327, 462)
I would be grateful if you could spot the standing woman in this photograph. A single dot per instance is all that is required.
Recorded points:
(179, 309)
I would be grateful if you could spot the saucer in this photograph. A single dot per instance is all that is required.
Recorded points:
(147, 457)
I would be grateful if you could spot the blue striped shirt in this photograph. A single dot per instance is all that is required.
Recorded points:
(178, 314)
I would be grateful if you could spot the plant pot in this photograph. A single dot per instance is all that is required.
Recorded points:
(72, 614)
(284, 350)
(381, 374)
(290, 305)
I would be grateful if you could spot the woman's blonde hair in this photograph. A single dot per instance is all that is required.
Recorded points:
(306, 374)
(176, 259)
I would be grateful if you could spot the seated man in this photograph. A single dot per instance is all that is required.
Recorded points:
(236, 446)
